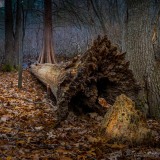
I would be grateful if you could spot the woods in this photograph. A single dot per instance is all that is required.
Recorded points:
(79, 79)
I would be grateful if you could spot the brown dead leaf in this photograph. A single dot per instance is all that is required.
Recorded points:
(93, 115)
(91, 152)
(36, 157)
(66, 158)
(103, 103)
(81, 157)
(2, 99)
(9, 158)
(20, 142)
(62, 151)
(5, 118)
(93, 139)
(116, 146)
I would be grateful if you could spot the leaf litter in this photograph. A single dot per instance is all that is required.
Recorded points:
(27, 117)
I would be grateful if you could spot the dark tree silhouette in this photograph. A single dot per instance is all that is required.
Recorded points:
(9, 39)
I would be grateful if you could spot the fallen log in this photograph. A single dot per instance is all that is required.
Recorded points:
(101, 72)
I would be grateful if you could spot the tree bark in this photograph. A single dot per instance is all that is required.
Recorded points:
(47, 55)
(19, 41)
(9, 39)
(101, 72)
(141, 54)
(96, 10)
(18, 30)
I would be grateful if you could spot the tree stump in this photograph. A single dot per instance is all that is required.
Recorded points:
(124, 124)
(101, 72)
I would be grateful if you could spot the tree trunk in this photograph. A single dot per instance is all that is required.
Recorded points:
(9, 39)
(18, 28)
(19, 41)
(141, 55)
(100, 73)
(47, 55)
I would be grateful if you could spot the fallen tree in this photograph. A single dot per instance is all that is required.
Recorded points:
(101, 72)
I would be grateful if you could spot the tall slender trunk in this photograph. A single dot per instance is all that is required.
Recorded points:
(47, 55)
(18, 41)
(141, 55)
(18, 28)
(9, 39)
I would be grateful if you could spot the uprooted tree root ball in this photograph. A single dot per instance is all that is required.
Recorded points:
(101, 72)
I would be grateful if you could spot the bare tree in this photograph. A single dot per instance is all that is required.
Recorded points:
(47, 55)
(19, 41)
(9, 38)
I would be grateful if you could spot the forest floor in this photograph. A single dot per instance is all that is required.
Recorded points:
(27, 117)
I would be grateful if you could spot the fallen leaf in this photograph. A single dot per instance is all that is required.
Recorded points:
(93, 139)
(9, 158)
(39, 128)
(93, 115)
(36, 157)
(91, 152)
(103, 103)
(116, 146)
(4, 118)
(66, 158)
(63, 151)
(20, 142)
